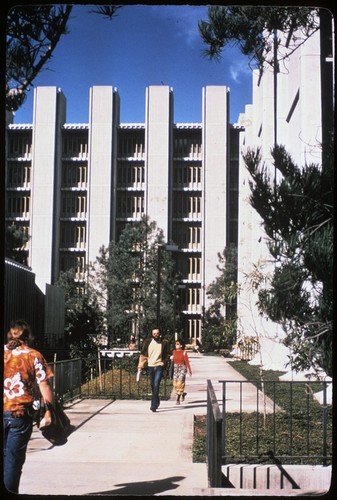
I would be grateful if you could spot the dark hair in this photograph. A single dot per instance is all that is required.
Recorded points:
(181, 342)
(21, 324)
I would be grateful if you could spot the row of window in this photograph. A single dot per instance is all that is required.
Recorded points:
(190, 299)
(187, 147)
(187, 175)
(189, 296)
(18, 174)
(69, 260)
(75, 145)
(186, 206)
(74, 175)
(19, 145)
(130, 144)
(73, 206)
(129, 205)
(193, 329)
(72, 236)
(187, 236)
(184, 175)
(18, 205)
(128, 175)
(190, 267)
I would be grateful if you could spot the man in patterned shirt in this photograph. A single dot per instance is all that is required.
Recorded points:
(23, 368)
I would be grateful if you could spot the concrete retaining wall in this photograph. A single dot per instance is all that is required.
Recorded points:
(278, 477)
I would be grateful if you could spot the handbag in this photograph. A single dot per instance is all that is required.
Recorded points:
(58, 431)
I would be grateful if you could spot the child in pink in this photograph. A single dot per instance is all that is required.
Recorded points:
(181, 366)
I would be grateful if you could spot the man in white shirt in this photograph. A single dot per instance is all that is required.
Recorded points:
(156, 350)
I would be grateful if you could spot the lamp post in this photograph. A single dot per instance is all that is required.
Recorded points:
(169, 247)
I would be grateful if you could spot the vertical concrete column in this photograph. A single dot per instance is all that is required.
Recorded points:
(158, 124)
(311, 91)
(100, 170)
(48, 115)
(215, 164)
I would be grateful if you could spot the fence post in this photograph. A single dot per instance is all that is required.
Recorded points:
(224, 430)
(324, 423)
(214, 441)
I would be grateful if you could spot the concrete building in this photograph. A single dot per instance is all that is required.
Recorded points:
(73, 187)
(296, 110)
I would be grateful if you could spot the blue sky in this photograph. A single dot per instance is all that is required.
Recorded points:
(144, 45)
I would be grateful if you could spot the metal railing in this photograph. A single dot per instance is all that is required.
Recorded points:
(113, 378)
(267, 423)
(67, 380)
(284, 423)
(116, 378)
(214, 438)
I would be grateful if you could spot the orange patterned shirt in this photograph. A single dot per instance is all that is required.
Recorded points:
(23, 368)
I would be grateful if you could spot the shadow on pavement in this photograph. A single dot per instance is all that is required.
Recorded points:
(147, 488)
(184, 406)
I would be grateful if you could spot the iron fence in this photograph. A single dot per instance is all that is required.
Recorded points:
(116, 378)
(111, 378)
(67, 380)
(287, 424)
(273, 422)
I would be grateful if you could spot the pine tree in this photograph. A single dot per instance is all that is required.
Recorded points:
(297, 216)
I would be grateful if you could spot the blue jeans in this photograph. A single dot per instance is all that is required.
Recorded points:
(156, 374)
(16, 432)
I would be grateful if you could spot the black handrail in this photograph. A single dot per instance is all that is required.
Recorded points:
(214, 438)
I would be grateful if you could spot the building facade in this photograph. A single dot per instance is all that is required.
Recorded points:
(43, 311)
(73, 187)
(293, 108)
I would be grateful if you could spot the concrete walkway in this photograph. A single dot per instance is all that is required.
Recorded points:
(122, 448)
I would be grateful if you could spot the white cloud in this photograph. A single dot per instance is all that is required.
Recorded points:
(239, 68)
(184, 17)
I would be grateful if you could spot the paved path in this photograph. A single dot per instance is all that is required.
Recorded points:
(122, 448)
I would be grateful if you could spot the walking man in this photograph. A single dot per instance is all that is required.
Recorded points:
(156, 350)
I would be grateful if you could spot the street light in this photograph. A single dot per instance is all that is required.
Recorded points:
(181, 286)
(169, 247)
